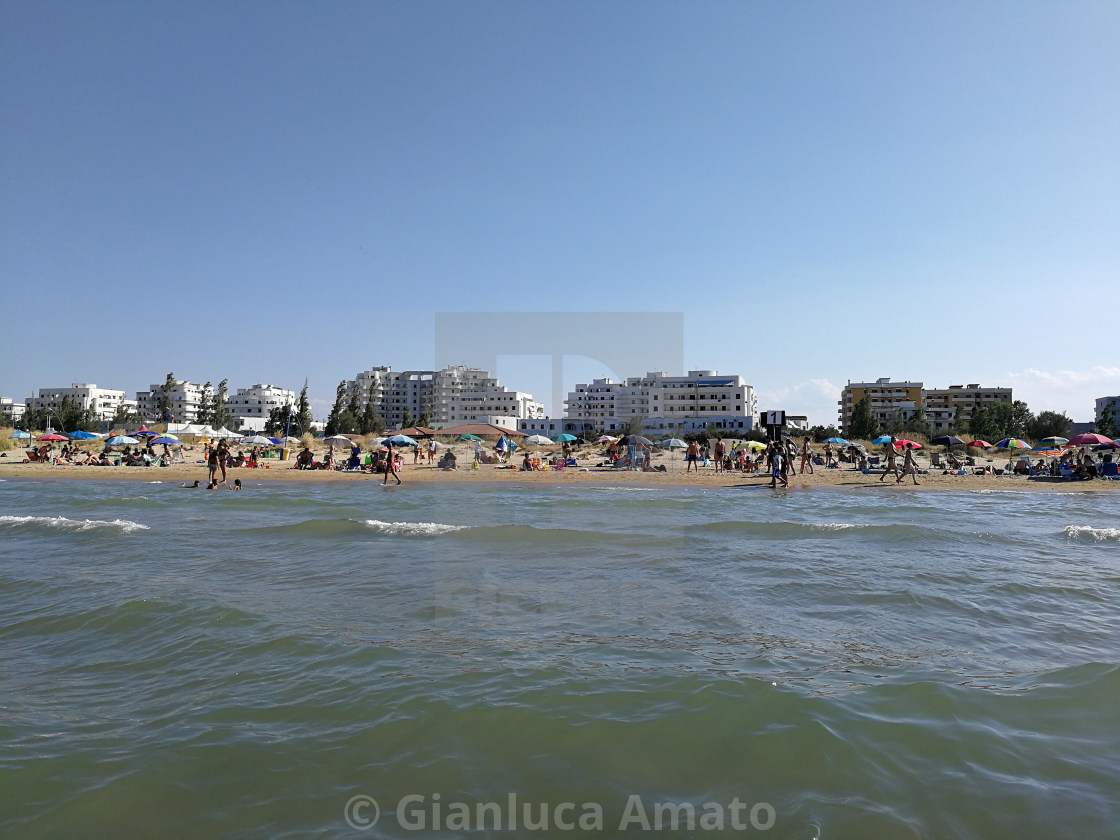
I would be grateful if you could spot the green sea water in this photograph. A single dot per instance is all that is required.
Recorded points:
(294, 661)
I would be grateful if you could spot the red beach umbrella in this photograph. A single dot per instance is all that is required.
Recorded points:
(52, 437)
(980, 444)
(901, 444)
(1087, 439)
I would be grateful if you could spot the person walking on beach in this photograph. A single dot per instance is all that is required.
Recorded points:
(806, 457)
(692, 456)
(719, 455)
(908, 465)
(774, 459)
(891, 454)
(390, 464)
(431, 450)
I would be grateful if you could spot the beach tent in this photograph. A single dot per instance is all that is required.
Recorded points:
(224, 433)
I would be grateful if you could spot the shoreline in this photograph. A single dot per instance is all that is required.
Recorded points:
(841, 480)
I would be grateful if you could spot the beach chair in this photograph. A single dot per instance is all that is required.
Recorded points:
(935, 460)
(1110, 471)
(1067, 472)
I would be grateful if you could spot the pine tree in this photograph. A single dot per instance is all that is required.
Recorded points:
(407, 419)
(205, 406)
(163, 402)
(864, 426)
(301, 422)
(425, 420)
(918, 424)
(371, 422)
(337, 409)
(222, 416)
(1107, 424)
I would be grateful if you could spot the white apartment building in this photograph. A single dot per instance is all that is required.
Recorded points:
(103, 402)
(455, 395)
(9, 408)
(185, 398)
(942, 404)
(701, 400)
(251, 406)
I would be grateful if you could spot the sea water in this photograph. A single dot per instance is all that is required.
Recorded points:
(348, 660)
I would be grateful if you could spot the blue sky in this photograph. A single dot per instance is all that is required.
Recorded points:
(274, 191)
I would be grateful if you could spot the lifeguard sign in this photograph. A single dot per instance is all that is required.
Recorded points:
(775, 423)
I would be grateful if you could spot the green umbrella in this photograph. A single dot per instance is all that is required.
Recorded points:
(469, 437)
(564, 437)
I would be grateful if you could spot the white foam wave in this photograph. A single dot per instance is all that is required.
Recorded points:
(125, 526)
(836, 526)
(153, 482)
(411, 528)
(1087, 532)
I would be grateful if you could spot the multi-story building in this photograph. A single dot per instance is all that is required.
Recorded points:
(665, 404)
(10, 410)
(1102, 404)
(888, 399)
(251, 406)
(103, 402)
(455, 395)
(946, 408)
(184, 398)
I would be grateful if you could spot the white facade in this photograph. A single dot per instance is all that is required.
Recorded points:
(103, 402)
(450, 397)
(184, 396)
(941, 405)
(672, 404)
(10, 408)
(251, 406)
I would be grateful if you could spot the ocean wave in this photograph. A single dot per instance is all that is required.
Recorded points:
(61, 523)
(426, 529)
(1091, 534)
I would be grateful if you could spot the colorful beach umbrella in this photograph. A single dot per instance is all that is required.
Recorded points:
(1012, 443)
(1089, 439)
(143, 431)
(51, 436)
(1053, 441)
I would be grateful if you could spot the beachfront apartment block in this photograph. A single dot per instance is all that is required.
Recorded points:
(947, 408)
(184, 399)
(1102, 404)
(944, 408)
(103, 402)
(11, 411)
(703, 399)
(452, 396)
(887, 400)
(251, 406)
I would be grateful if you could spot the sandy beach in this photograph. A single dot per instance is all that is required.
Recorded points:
(587, 471)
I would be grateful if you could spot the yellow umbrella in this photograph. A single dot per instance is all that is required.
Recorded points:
(751, 444)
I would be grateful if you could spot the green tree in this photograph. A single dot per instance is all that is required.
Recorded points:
(354, 404)
(918, 424)
(425, 419)
(222, 416)
(301, 422)
(277, 421)
(996, 421)
(163, 401)
(1049, 424)
(864, 426)
(1107, 424)
(370, 422)
(205, 415)
(407, 419)
(124, 416)
(821, 433)
(337, 409)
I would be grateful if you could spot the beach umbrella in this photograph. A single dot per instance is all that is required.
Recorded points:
(980, 444)
(1087, 439)
(19, 435)
(52, 437)
(751, 444)
(901, 444)
(121, 440)
(165, 440)
(537, 440)
(469, 437)
(257, 440)
(564, 437)
(674, 443)
(143, 431)
(879, 441)
(604, 439)
(404, 440)
(80, 435)
(838, 440)
(1012, 443)
(169, 435)
(337, 440)
(636, 440)
(1053, 442)
(291, 440)
(947, 440)
(275, 441)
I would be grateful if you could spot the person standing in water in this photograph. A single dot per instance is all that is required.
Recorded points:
(390, 465)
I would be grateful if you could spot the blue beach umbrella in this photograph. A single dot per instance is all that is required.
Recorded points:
(836, 440)
(80, 435)
(121, 440)
(400, 440)
(169, 441)
(879, 441)
(19, 435)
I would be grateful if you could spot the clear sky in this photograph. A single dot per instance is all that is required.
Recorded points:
(268, 191)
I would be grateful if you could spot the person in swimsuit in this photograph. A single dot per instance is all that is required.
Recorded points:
(891, 455)
(390, 465)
